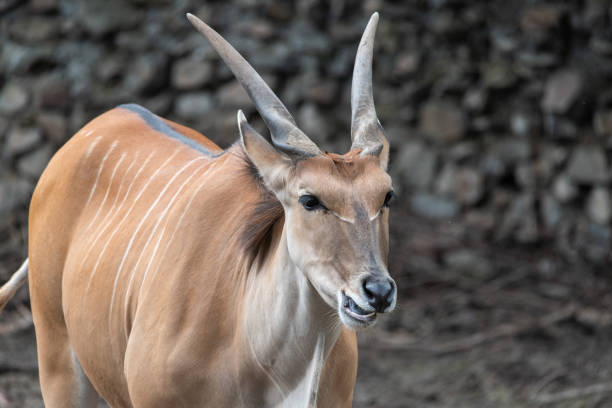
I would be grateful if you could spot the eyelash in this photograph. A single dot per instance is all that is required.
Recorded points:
(311, 203)
(389, 198)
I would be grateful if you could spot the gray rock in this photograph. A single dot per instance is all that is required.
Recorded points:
(469, 262)
(112, 66)
(465, 185)
(323, 92)
(415, 165)
(406, 63)
(498, 75)
(14, 192)
(34, 29)
(484, 221)
(53, 92)
(232, 95)
(445, 182)
(602, 122)
(188, 73)
(562, 90)
(43, 6)
(21, 139)
(33, 164)
(519, 221)
(463, 151)
(560, 127)
(54, 126)
(193, 105)
(443, 121)
(598, 205)
(525, 176)
(469, 186)
(511, 150)
(563, 189)
(19, 59)
(475, 99)
(551, 212)
(435, 207)
(313, 123)
(601, 45)
(99, 18)
(537, 18)
(147, 74)
(13, 98)
(588, 165)
(525, 123)
(159, 104)
(341, 63)
(593, 240)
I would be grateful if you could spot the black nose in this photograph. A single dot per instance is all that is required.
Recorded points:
(379, 291)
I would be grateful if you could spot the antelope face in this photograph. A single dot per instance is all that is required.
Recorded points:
(336, 215)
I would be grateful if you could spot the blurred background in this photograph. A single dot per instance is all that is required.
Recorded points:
(499, 115)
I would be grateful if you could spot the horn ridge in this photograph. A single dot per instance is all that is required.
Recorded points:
(286, 136)
(364, 121)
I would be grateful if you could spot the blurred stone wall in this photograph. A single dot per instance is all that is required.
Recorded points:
(499, 112)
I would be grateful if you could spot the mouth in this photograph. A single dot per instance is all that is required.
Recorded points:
(355, 313)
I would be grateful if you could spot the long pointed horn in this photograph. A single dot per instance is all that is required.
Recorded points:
(365, 128)
(286, 136)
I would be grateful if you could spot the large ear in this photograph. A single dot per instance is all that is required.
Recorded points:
(272, 166)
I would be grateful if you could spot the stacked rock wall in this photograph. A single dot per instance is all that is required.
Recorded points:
(499, 112)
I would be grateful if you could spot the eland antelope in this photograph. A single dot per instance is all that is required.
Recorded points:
(167, 272)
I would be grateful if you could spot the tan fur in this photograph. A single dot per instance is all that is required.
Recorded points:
(181, 340)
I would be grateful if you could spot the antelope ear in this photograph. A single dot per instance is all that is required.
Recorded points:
(272, 166)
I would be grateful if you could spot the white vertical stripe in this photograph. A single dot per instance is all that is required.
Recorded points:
(125, 216)
(93, 189)
(178, 223)
(92, 146)
(140, 224)
(152, 234)
(110, 184)
(112, 212)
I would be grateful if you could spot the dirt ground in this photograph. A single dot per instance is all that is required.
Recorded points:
(530, 329)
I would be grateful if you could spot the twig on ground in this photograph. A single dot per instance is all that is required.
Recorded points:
(468, 342)
(573, 393)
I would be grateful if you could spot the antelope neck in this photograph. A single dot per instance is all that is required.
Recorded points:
(288, 327)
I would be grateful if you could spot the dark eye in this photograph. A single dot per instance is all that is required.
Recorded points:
(389, 197)
(310, 203)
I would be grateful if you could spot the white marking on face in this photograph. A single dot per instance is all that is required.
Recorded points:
(372, 218)
(135, 233)
(343, 218)
(93, 188)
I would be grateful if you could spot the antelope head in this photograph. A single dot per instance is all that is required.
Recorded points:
(336, 206)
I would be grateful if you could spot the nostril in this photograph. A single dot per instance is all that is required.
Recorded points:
(367, 289)
(378, 292)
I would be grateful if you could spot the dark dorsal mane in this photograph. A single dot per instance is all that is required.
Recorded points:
(263, 215)
(158, 124)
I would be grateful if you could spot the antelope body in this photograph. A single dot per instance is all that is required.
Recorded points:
(167, 272)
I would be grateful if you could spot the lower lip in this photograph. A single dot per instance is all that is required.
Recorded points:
(362, 318)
